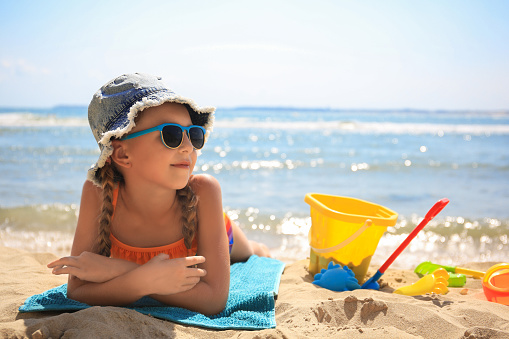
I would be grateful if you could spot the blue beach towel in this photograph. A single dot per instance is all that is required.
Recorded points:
(254, 285)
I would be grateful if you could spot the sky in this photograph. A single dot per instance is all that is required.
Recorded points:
(329, 54)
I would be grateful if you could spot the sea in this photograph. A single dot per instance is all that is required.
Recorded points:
(268, 158)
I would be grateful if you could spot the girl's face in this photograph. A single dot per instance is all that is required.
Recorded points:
(150, 160)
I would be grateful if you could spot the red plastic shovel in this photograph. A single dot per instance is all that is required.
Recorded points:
(372, 283)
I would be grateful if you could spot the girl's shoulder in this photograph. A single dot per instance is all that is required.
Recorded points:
(204, 184)
(91, 191)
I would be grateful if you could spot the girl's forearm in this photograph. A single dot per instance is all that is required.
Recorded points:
(122, 290)
(121, 266)
(158, 276)
(202, 298)
(91, 267)
(128, 288)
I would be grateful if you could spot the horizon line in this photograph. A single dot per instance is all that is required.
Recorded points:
(290, 108)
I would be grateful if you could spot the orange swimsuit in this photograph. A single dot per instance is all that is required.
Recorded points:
(141, 255)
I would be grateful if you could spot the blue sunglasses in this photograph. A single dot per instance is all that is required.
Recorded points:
(173, 134)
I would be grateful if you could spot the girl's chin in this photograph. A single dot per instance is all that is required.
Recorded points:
(181, 183)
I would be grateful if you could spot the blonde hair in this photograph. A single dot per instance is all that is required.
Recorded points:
(109, 177)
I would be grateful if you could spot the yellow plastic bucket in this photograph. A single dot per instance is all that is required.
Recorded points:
(346, 231)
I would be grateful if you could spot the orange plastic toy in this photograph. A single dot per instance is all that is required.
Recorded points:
(496, 283)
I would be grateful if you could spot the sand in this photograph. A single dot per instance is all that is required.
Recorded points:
(302, 309)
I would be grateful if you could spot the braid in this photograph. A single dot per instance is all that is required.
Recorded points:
(188, 202)
(103, 244)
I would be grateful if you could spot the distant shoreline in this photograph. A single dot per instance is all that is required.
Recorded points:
(81, 108)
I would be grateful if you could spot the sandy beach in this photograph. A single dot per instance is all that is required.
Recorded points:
(302, 309)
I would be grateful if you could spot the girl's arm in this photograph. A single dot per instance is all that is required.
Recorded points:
(210, 294)
(159, 275)
(91, 267)
(97, 268)
(119, 282)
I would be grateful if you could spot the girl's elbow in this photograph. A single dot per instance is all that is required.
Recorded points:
(214, 303)
(73, 294)
(213, 307)
(73, 285)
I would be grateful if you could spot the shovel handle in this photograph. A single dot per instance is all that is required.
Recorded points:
(473, 273)
(439, 205)
(436, 208)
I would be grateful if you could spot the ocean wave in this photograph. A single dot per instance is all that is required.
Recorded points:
(370, 127)
(448, 240)
(445, 240)
(343, 166)
(38, 120)
(52, 120)
(46, 217)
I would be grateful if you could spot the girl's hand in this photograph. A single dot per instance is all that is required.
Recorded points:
(165, 276)
(91, 267)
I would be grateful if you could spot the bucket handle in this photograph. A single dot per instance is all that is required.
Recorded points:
(344, 242)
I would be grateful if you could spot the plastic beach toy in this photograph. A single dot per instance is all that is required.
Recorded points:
(427, 267)
(457, 276)
(345, 230)
(496, 284)
(457, 279)
(435, 282)
(372, 283)
(336, 278)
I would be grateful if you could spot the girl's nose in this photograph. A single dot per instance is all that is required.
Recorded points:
(186, 143)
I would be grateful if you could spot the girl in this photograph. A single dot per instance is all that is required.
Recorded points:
(147, 226)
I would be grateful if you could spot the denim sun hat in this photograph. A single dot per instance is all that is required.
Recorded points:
(114, 107)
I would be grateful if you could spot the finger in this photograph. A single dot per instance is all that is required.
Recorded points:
(65, 270)
(185, 288)
(197, 272)
(62, 262)
(162, 256)
(191, 261)
(55, 263)
(192, 281)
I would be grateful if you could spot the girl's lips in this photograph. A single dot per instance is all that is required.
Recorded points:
(184, 165)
